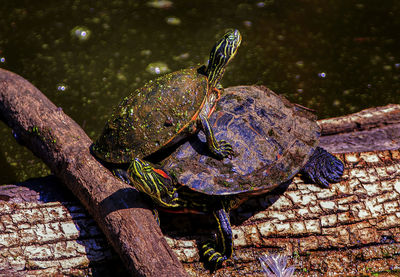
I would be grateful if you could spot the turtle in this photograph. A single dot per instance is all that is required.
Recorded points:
(273, 140)
(165, 111)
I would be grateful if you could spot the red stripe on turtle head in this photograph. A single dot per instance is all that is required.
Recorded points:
(162, 173)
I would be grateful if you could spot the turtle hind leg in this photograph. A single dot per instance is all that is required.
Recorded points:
(216, 253)
(323, 168)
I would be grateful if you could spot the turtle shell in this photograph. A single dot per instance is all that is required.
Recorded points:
(151, 117)
(272, 140)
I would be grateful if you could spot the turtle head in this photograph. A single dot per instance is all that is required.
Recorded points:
(221, 54)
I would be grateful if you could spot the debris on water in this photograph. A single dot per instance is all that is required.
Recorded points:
(81, 32)
(160, 4)
(247, 23)
(15, 135)
(265, 3)
(173, 20)
(387, 67)
(157, 68)
(121, 76)
(61, 87)
(261, 4)
(182, 56)
(336, 103)
(145, 52)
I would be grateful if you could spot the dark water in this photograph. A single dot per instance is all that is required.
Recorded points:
(336, 57)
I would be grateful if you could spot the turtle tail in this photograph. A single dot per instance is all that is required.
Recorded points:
(323, 168)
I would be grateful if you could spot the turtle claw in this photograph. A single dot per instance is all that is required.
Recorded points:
(156, 216)
(223, 150)
(122, 175)
(213, 258)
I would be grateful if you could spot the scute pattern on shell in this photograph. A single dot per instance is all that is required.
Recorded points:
(272, 139)
(151, 116)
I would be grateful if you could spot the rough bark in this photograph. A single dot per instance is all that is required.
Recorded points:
(368, 130)
(353, 228)
(45, 231)
(367, 119)
(54, 137)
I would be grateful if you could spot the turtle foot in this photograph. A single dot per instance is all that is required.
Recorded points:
(223, 150)
(323, 168)
(123, 175)
(212, 258)
(156, 216)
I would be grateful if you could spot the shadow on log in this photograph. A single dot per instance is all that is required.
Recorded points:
(60, 142)
(353, 228)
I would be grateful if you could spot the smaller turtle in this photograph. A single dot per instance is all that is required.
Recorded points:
(274, 140)
(164, 112)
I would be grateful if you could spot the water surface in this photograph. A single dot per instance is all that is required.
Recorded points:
(336, 57)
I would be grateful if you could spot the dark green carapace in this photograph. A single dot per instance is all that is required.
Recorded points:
(153, 116)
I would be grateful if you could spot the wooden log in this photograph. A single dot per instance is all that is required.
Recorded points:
(353, 228)
(45, 231)
(54, 137)
(350, 229)
(371, 129)
(367, 119)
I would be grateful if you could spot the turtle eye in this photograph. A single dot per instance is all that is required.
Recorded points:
(231, 37)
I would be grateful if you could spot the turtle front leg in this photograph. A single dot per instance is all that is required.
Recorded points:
(156, 183)
(216, 253)
(323, 168)
(221, 149)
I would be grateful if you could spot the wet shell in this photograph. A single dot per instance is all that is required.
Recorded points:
(152, 117)
(272, 140)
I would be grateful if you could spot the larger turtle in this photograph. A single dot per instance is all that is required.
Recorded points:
(273, 141)
(165, 111)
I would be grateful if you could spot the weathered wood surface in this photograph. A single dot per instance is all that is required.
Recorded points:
(54, 137)
(45, 231)
(351, 228)
(369, 130)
